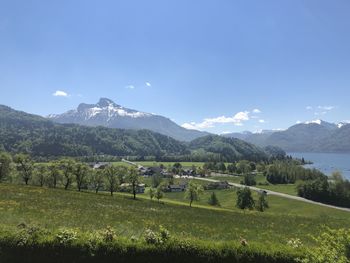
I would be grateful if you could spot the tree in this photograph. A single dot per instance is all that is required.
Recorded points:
(231, 168)
(134, 179)
(67, 168)
(177, 168)
(213, 200)
(244, 198)
(41, 174)
(156, 180)
(81, 172)
(249, 179)
(193, 192)
(54, 173)
(243, 167)
(96, 180)
(151, 192)
(262, 204)
(121, 173)
(111, 177)
(5, 165)
(159, 193)
(221, 167)
(25, 166)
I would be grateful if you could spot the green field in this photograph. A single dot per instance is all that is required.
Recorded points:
(261, 183)
(86, 211)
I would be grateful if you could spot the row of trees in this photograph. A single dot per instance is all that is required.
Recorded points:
(67, 173)
(335, 191)
(283, 172)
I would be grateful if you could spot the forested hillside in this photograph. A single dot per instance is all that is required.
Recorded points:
(27, 133)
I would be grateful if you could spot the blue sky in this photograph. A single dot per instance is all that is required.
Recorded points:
(217, 65)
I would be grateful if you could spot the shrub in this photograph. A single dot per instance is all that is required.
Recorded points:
(151, 237)
(155, 238)
(66, 236)
(108, 235)
(332, 247)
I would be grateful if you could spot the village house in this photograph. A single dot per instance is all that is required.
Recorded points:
(217, 186)
(177, 188)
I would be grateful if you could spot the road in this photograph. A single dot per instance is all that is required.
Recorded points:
(297, 198)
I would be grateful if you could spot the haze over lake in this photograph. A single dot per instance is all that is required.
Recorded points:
(327, 162)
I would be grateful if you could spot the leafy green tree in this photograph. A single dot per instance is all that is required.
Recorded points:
(25, 166)
(67, 167)
(151, 192)
(262, 203)
(110, 173)
(213, 200)
(41, 174)
(221, 167)
(177, 168)
(159, 193)
(260, 167)
(121, 173)
(54, 173)
(156, 180)
(81, 174)
(5, 165)
(231, 168)
(134, 179)
(243, 167)
(193, 192)
(249, 179)
(97, 180)
(244, 198)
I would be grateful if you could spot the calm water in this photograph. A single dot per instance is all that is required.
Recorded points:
(327, 162)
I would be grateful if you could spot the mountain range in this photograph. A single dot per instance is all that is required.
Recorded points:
(21, 132)
(314, 136)
(109, 114)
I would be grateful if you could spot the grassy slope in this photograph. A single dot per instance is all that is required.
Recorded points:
(55, 208)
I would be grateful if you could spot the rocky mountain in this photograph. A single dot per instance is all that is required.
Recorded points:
(314, 136)
(109, 114)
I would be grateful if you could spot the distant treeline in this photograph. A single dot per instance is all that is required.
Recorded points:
(334, 190)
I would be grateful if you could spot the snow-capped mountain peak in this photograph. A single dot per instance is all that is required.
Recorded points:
(109, 114)
(106, 108)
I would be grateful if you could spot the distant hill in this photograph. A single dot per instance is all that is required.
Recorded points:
(316, 136)
(109, 114)
(229, 148)
(23, 132)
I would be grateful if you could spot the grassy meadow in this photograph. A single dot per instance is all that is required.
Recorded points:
(87, 211)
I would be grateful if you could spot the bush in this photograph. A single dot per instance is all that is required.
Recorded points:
(66, 236)
(155, 238)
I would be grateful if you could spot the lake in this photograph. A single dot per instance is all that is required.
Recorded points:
(327, 162)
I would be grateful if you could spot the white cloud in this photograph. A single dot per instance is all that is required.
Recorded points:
(327, 108)
(60, 93)
(262, 121)
(148, 84)
(309, 108)
(256, 111)
(225, 132)
(130, 87)
(237, 120)
(298, 122)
